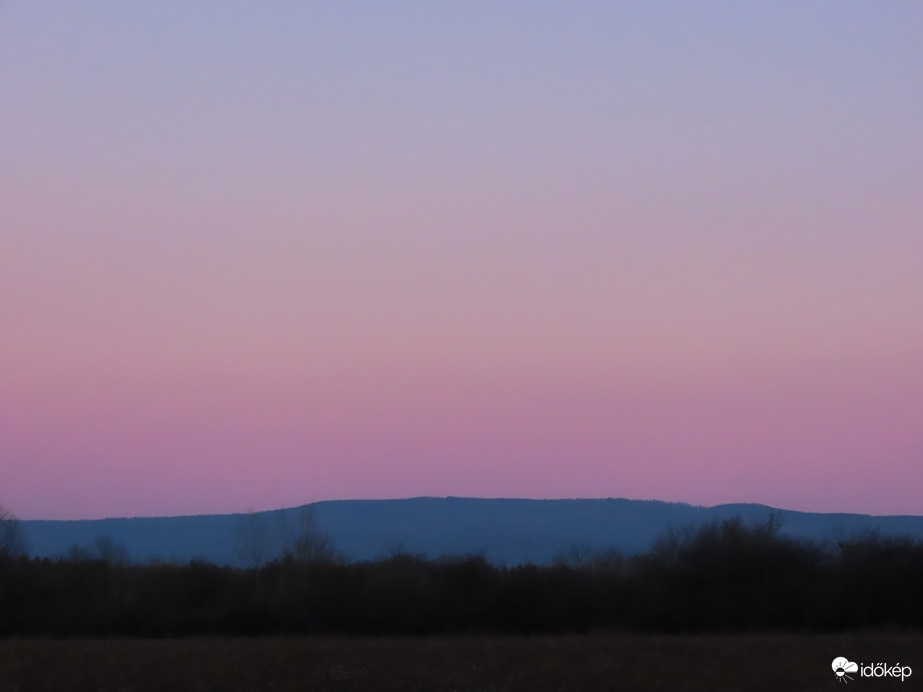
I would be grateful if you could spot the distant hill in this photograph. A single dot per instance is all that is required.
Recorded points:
(506, 531)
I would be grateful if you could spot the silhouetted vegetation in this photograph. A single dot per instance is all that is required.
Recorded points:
(12, 543)
(723, 576)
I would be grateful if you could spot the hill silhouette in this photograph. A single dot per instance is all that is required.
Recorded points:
(504, 531)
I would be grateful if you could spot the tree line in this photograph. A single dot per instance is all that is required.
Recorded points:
(723, 576)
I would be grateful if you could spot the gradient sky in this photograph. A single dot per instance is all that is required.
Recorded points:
(258, 254)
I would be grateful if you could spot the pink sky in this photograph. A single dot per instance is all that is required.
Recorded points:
(256, 257)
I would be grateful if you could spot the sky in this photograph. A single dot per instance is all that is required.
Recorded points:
(255, 255)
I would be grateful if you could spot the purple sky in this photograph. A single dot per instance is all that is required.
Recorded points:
(254, 254)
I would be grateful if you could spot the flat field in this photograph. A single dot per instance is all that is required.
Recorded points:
(777, 662)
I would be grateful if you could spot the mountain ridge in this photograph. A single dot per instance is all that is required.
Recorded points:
(505, 530)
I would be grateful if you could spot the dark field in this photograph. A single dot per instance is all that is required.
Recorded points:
(787, 663)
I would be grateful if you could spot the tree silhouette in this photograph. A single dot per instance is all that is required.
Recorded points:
(252, 539)
(310, 544)
(107, 549)
(12, 542)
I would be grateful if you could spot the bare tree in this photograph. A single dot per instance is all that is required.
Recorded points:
(12, 542)
(107, 549)
(310, 544)
(576, 555)
(285, 535)
(252, 539)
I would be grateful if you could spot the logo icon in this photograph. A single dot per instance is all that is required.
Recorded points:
(842, 666)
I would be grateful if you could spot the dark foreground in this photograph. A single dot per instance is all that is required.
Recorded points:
(788, 663)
